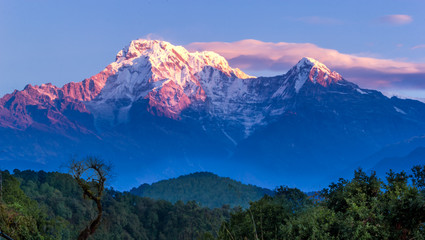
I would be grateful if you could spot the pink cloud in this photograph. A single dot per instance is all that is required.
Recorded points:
(257, 56)
(397, 19)
(418, 46)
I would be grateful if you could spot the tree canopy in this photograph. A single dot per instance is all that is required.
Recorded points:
(40, 205)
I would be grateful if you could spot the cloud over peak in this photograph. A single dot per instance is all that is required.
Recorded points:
(256, 56)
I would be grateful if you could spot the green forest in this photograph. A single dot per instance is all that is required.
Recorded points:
(205, 188)
(40, 205)
(51, 205)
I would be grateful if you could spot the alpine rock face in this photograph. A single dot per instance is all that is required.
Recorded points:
(160, 106)
(163, 74)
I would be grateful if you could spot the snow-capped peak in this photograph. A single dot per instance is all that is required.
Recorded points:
(314, 71)
(160, 52)
(140, 47)
(311, 62)
(165, 75)
(146, 65)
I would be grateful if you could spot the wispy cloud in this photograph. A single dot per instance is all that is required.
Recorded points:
(153, 36)
(418, 46)
(319, 20)
(257, 56)
(397, 19)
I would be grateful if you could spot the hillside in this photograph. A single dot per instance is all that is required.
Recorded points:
(205, 188)
(50, 205)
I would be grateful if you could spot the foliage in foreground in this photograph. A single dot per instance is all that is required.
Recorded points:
(364, 208)
(20, 216)
(40, 205)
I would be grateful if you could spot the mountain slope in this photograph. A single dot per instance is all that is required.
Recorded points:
(205, 188)
(404, 163)
(330, 129)
(160, 107)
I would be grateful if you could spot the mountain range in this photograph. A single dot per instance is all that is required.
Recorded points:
(159, 111)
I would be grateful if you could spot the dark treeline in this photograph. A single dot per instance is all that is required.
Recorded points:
(40, 205)
(364, 208)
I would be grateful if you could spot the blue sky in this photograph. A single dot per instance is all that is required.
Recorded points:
(61, 41)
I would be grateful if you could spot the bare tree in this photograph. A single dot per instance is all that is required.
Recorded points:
(91, 174)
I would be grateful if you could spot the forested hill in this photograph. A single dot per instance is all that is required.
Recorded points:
(205, 188)
(40, 205)
(47, 206)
